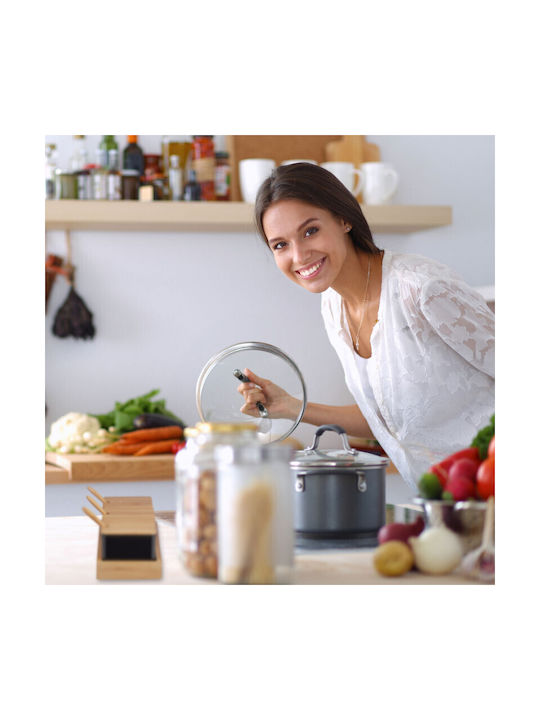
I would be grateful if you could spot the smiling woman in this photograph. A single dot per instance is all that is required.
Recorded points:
(416, 343)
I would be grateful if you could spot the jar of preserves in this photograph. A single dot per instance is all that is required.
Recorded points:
(223, 176)
(255, 521)
(195, 475)
(203, 161)
(130, 185)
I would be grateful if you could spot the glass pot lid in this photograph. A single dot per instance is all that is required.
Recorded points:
(218, 399)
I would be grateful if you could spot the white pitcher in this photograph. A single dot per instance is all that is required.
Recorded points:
(380, 182)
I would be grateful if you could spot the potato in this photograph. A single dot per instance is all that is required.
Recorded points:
(393, 558)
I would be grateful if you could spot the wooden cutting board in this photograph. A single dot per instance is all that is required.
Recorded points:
(104, 467)
(353, 148)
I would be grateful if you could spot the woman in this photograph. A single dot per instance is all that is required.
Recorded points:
(416, 344)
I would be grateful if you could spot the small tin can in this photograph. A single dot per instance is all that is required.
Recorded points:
(114, 185)
(65, 185)
(99, 184)
(84, 185)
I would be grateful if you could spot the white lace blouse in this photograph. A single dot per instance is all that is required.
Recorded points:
(429, 385)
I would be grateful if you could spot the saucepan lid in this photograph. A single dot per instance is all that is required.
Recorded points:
(218, 399)
(313, 457)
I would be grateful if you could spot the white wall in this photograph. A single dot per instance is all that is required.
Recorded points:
(164, 303)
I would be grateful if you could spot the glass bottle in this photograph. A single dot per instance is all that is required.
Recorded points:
(79, 156)
(107, 144)
(223, 176)
(51, 164)
(133, 157)
(114, 179)
(175, 178)
(192, 191)
(204, 163)
(195, 476)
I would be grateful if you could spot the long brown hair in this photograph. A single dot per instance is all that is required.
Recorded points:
(316, 186)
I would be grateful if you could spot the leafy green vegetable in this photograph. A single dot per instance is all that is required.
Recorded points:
(483, 438)
(125, 412)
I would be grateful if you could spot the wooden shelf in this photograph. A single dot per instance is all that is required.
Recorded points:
(134, 215)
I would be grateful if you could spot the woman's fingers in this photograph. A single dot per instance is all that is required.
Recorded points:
(255, 378)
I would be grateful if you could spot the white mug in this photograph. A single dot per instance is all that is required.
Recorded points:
(346, 172)
(290, 162)
(253, 172)
(380, 182)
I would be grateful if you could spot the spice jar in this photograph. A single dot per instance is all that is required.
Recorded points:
(195, 474)
(255, 513)
(204, 163)
(130, 185)
(223, 176)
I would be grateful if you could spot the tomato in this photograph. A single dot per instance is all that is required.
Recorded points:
(178, 446)
(485, 479)
(491, 448)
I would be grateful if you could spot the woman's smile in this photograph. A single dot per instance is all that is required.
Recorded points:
(312, 270)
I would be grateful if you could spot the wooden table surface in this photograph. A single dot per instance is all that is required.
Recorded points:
(71, 551)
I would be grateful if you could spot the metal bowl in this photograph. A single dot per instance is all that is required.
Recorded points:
(465, 518)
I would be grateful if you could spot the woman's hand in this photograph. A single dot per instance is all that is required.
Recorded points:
(277, 402)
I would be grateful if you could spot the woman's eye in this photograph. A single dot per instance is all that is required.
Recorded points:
(278, 246)
(311, 231)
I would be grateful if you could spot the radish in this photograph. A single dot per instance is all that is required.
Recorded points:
(461, 487)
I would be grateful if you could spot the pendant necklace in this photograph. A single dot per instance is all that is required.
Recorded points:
(363, 308)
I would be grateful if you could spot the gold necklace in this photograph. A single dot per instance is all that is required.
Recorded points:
(363, 308)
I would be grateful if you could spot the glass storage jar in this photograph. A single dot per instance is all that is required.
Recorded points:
(255, 513)
(196, 498)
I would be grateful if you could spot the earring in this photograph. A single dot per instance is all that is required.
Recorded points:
(348, 228)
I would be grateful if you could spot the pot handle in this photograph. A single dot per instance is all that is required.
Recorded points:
(334, 428)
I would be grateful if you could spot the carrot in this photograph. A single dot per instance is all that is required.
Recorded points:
(153, 434)
(163, 446)
(122, 448)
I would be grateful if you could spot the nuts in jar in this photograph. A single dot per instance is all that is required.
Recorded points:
(196, 507)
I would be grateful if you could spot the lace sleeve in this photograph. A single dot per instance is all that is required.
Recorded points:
(463, 320)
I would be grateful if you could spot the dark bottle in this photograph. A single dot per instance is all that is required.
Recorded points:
(133, 158)
(192, 190)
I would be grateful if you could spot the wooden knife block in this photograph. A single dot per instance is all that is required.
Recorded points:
(128, 545)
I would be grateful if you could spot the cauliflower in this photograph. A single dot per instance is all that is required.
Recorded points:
(73, 430)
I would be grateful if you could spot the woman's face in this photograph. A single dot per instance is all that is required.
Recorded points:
(309, 244)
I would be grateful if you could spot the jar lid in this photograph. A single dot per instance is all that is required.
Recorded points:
(221, 155)
(130, 173)
(218, 399)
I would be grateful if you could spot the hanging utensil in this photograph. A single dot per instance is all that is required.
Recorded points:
(73, 318)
